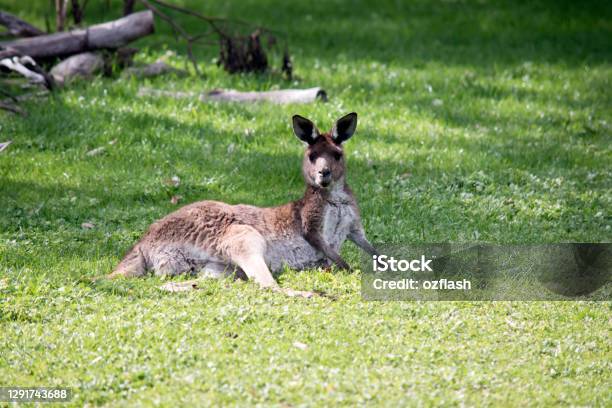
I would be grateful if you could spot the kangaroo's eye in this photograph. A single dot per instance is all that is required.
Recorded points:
(337, 155)
(312, 157)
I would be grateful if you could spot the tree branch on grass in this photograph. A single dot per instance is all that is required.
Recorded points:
(177, 29)
(229, 95)
(10, 104)
(237, 53)
(12, 108)
(18, 65)
(17, 27)
(4, 145)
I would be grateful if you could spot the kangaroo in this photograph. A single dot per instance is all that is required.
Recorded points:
(216, 239)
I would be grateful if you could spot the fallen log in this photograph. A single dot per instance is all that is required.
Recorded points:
(110, 35)
(230, 95)
(17, 27)
(84, 65)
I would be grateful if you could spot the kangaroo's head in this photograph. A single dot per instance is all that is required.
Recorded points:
(323, 164)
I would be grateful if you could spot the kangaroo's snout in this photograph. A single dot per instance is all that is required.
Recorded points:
(324, 171)
(325, 177)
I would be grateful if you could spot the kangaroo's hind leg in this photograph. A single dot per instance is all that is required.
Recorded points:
(245, 247)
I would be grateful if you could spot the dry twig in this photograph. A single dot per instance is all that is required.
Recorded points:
(17, 27)
(237, 53)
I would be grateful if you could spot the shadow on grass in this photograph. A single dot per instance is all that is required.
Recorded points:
(141, 154)
(466, 33)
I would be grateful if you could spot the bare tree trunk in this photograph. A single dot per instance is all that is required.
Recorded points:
(17, 27)
(60, 14)
(128, 7)
(112, 34)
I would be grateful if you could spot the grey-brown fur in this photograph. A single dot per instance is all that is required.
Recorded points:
(217, 239)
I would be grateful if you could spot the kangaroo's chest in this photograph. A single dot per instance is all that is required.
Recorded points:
(337, 221)
(295, 252)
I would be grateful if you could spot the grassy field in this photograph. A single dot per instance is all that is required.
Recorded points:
(479, 121)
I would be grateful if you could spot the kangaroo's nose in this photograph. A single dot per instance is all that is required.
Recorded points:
(325, 173)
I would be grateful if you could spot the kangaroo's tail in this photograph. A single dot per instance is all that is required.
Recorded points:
(133, 264)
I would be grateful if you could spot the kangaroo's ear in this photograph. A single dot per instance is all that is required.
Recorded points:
(344, 128)
(304, 129)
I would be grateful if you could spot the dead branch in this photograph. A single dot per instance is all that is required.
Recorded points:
(27, 67)
(17, 27)
(177, 29)
(214, 21)
(22, 66)
(10, 107)
(10, 104)
(243, 54)
(8, 95)
(4, 145)
(236, 54)
(210, 20)
(110, 35)
(229, 95)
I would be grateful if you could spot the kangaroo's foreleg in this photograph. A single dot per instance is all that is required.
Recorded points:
(358, 237)
(316, 240)
(245, 247)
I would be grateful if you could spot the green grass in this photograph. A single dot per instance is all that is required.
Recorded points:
(479, 121)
